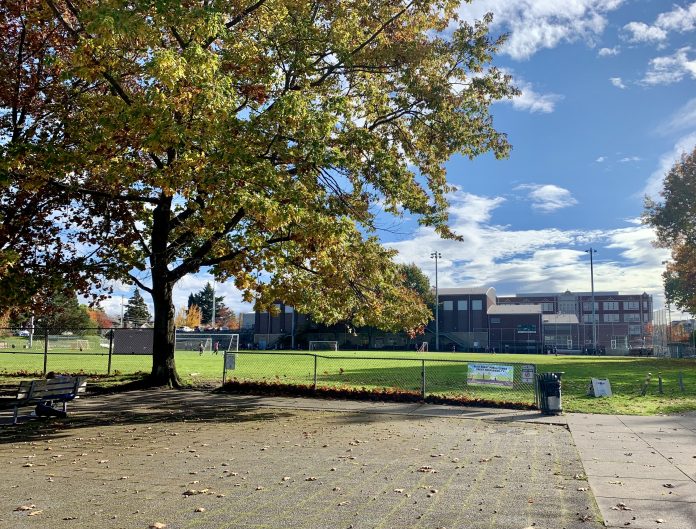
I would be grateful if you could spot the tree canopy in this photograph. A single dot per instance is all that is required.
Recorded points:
(674, 220)
(247, 137)
(414, 279)
(204, 300)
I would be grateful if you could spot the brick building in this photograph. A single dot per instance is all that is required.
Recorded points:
(476, 319)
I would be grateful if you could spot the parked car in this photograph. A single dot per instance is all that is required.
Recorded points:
(23, 333)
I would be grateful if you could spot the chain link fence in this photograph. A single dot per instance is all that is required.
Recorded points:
(448, 378)
(103, 352)
(93, 351)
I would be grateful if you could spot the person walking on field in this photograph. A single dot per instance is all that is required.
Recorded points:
(216, 347)
(200, 349)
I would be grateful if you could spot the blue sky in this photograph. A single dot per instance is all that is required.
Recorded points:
(607, 105)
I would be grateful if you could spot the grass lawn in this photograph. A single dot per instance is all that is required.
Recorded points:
(401, 370)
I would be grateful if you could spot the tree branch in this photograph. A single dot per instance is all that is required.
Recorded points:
(191, 263)
(129, 197)
(362, 46)
(236, 20)
(140, 284)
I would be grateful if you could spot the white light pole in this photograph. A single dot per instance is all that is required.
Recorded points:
(437, 256)
(594, 318)
(213, 316)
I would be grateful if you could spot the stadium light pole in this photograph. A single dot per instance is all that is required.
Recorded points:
(669, 314)
(212, 322)
(594, 318)
(437, 256)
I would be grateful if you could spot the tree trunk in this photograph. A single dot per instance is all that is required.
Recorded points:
(163, 366)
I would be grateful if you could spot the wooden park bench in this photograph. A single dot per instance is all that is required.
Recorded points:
(45, 393)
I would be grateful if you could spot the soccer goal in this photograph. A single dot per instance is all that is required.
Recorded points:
(423, 348)
(68, 342)
(323, 345)
(231, 343)
(190, 343)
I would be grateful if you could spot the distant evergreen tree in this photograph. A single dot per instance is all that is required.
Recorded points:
(136, 312)
(64, 314)
(204, 300)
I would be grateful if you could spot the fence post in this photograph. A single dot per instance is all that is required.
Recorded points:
(423, 379)
(659, 382)
(315, 372)
(45, 365)
(111, 351)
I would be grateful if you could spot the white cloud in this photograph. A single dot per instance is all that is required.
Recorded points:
(627, 159)
(679, 19)
(542, 24)
(531, 101)
(601, 159)
(654, 184)
(607, 52)
(670, 68)
(548, 198)
(684, 118)
(534, 260)
(641, 32)
(617, 82)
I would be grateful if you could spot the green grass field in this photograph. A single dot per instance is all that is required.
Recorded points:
(402, 370)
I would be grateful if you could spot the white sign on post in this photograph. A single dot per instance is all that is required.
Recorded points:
(527, 373)
(230, 359)
(601, 387)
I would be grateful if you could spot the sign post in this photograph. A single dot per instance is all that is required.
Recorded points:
(230, 363)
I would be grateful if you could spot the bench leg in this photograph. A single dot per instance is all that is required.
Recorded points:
(14, 415)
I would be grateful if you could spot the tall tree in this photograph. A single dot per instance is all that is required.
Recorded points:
(38, 255)
(136, 312)
(674, 220)
(250, 137)
(204, 300)
(414, 279)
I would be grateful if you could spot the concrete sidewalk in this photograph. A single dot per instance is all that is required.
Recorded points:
(642, 470)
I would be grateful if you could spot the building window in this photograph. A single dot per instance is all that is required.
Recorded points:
(495, 320)
(447, 305)
(587, 318)
(645, 318)
(631, 317)
(476, 304)
(635, 330)
(547, 307)
(462, 305)
(611, 305)
(611, 318)
(288, 309)
(587, 306)
(645, 305)
(631, 305)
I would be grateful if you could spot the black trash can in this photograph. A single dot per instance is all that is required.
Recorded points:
(549, 393)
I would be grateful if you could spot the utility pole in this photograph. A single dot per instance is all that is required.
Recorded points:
(594, 317)
(437, 256)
